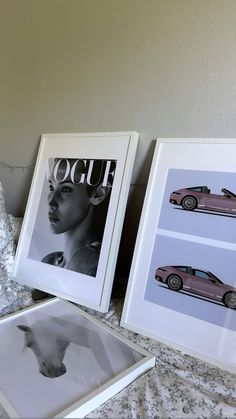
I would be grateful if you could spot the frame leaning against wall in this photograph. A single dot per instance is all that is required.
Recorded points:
(182, 285)
(98, 166)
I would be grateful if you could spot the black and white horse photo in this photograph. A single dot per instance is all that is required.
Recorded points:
(50, 338)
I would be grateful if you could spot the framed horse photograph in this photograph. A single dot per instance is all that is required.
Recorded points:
(73, 221)
(58, 361)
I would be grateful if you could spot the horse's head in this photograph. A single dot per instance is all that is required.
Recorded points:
(48, 347)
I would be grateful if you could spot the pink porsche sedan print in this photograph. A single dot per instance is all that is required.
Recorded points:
(200, 197)
(198, 282)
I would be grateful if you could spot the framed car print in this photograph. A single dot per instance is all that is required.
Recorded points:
(182, 285)
(58, 361)
(73, 220)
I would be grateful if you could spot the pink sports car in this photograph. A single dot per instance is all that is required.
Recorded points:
(198, 282)
(200, 197)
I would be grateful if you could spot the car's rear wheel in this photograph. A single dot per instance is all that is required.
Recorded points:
(189, 203)
(174, 282)
(229, 299)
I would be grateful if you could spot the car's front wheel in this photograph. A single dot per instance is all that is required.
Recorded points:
(229, 299)
(189, 203)
(174, 282)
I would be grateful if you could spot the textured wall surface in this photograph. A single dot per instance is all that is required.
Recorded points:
(165, 68)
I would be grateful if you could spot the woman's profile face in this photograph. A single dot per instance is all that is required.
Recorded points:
(68, 205)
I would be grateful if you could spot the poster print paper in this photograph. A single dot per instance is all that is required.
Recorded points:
(75, 211)
(216, 225)
(72, 213)
(196, 243)
(54, 356)
(195, 240)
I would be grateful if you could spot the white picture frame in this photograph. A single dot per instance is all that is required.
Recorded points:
(201, 239)
(78, 265)
(69, 362)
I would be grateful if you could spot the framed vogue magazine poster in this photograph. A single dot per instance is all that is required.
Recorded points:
(70, 364)
(72, 226)
(182, 285)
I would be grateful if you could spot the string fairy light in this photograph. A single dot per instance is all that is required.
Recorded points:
(14, 167)
(24, 168)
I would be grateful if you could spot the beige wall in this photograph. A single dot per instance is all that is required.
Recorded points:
(165, 68)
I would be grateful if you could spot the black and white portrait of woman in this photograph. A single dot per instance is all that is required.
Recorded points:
(72, 212)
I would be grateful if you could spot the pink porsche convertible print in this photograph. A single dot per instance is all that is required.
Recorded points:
(198, 282)
(200, 197)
